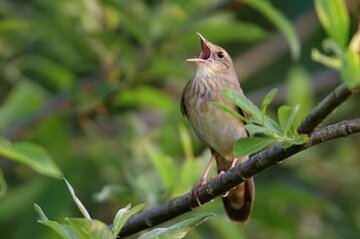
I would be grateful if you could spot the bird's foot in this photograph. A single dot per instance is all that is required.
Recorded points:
(218, 176)
(194, 191)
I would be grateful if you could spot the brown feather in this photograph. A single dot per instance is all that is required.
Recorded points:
(215, 128)
(238, 203)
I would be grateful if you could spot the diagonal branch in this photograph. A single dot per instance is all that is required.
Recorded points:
(325, 107)
(256, 164)
(233, 177)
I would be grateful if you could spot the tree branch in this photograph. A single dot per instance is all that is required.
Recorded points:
(325, 107)
(233, 177)
(256, 164)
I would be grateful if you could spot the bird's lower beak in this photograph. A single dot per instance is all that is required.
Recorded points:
(205, 50)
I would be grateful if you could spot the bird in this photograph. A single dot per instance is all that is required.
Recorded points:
(215, 128)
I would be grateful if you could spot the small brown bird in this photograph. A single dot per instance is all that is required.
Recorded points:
(217, 129)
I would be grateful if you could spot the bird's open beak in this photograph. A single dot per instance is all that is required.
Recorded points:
(205, 50)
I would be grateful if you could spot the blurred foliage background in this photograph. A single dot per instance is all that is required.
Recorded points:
(97, 83)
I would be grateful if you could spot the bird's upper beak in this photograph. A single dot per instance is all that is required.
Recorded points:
(205, 50)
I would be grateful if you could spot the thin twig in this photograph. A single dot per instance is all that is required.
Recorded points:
(233, 177)
(324, 108)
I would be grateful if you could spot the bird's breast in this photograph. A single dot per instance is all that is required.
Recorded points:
(216, 128)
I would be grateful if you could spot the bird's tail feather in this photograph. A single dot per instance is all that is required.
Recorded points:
(239, 201)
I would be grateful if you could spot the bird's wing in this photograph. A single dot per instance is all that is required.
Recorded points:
(182, 102)
(183, 107)
(242, 113)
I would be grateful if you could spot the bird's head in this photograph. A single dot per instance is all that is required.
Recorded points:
(213, 59)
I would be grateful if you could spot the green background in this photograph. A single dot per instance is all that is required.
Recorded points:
(98, 84)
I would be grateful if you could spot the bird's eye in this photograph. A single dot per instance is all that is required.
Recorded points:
(220, 54)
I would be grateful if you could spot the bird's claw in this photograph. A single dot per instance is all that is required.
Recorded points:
(194, 191)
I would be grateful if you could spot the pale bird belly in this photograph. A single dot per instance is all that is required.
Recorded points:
(217, 129)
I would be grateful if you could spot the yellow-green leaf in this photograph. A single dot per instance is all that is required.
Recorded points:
(350, 69)
(334, 17)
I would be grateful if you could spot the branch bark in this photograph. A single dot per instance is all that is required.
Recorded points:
(256, 164)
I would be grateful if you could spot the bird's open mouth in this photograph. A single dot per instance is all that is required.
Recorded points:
(205, 50)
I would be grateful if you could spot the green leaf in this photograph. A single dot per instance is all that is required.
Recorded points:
(31, 155)
(256, 116)
(300, 139)
(355, 42)
(330, 62)
(122, 216)
(89, 229)
(51, 71)
(145, 96)
(255, 129)
(267, 100)
(299, 92)
(350, 70)
(245, 104)
(186, 143)
(22, 102)
(329, 45)
(227, 109)
(246, 146)
(334, 17)
(271, 126)
(176, 231)
(164, 164)
(286, 116)
(65, 231)
(296, 140)
(77, 201)
(280, 21)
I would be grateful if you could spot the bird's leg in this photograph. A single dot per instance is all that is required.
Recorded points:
(202, 180)
(233, 164)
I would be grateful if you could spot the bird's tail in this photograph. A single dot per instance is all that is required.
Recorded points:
(238, 202)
